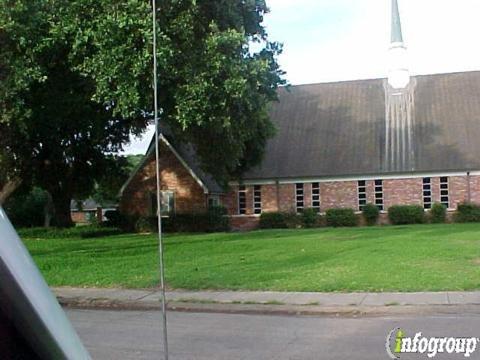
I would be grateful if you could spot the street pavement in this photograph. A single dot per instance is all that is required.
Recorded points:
(127, 335)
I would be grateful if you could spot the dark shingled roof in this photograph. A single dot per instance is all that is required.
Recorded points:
(338, 129)
(189, 156)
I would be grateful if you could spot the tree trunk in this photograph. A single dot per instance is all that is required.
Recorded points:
(62, 213)
(8, 189)
(48, 211)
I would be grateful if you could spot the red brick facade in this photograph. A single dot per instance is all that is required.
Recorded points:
(174, 176)
(344, 194)
(190, 196)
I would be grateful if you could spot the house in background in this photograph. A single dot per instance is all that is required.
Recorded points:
(401, 140)
(89, 211)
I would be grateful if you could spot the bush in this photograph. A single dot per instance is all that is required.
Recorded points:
(79, 232)
(217, 220)
(293, 220)
(406, 214)
(214, 220)
(341, 217)
(309, 218)
(370, 214)
(27, 209)
(146, 224)
(467, 212)
(115, 219)
(438, 213)
(272, 220)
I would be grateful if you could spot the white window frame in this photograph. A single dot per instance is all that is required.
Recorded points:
(213, 200)
(427, 187)
(316, 197)
(299, 187)
(379, 195)
(164, 212)
(446, 183)
(242, 193)
(361, 190)
(257, 199)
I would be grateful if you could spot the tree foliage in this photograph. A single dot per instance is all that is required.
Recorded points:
(117, 172)
(76, 82)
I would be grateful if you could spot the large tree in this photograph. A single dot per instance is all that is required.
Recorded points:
(76, 81)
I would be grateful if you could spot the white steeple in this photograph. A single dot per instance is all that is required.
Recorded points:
(398, 74)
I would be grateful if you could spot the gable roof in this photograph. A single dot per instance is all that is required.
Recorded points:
(187, 157)
(90, 205)
(338, 129)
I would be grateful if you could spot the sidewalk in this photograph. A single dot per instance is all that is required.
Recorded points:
(267, 301)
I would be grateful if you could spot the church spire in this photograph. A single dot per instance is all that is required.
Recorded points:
(396, 24)
(398, 74)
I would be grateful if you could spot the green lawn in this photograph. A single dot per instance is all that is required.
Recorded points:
(407, 258)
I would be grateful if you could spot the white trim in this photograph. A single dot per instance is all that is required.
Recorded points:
(296, 198)
(254, 202)
(244, 216)
(359, 206)
(238, 200)
(448, 190)
(431, 194)
(319, 198)
(147, 157)
(399, 176)
(185, 165)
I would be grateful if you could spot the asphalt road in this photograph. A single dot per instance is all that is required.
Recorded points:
(137, 335)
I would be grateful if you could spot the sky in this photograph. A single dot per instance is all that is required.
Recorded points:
(336, 40)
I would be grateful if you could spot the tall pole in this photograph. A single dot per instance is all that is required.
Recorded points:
(157, 157)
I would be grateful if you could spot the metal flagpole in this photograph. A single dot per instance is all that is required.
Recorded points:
(157, 152)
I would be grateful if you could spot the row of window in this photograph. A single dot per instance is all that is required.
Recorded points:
(361, 191)
(362, 194)
(167, 202)
(427, 192)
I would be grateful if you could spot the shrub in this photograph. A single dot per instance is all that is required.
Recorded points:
(293, 220)
(309, 218)
(79, 232)
(467, 212)
(341, 217)
(114, 219)
(406, 214)
(438, 213)
(370, 214)
(27, 209)
(218, 221)
(146, 224)
(272, 220)
(214, 220)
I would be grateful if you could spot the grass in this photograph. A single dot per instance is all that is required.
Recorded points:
(396, 258)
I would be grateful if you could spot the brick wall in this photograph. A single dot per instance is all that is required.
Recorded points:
(287, 197)
(458, 189)
(402, 192)
(339, 194)
(79, 217)
(189, 195)
(344, 194)
(475, 189)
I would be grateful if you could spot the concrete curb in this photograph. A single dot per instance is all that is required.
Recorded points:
(264, 309)
(278, 303)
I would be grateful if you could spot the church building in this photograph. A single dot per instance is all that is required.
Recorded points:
(402, 140)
